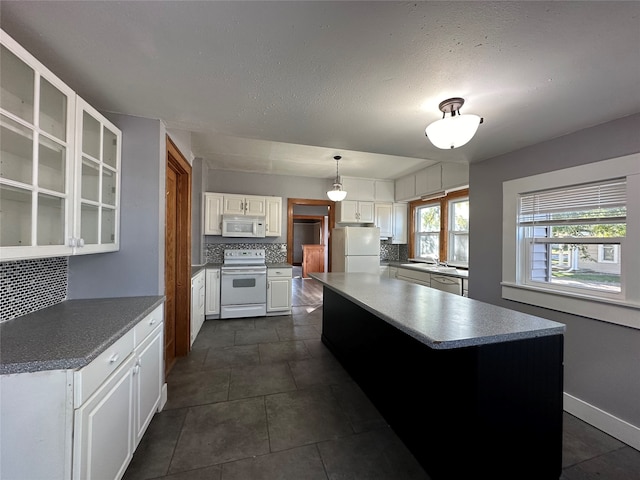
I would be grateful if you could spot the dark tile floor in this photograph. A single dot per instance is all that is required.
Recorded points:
(262, 398)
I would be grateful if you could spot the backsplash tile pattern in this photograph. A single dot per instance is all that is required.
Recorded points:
(277, 253)
(389, 252)
(30, 285)
(274, 253)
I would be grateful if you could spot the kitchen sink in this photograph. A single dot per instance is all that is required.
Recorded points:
(429, 267)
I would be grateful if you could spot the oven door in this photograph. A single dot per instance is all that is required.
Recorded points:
(241, 286)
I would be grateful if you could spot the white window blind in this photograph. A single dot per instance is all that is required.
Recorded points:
(602, 202)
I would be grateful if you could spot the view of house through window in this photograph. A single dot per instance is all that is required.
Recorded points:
(440, 229)
(572, 236)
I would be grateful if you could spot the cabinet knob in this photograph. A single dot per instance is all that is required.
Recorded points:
(152, 321)
(114, 358)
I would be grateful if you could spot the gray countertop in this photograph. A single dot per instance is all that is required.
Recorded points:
(196, 268)
(426, 267)
(70, 334)
(438, 319)
(279, 265)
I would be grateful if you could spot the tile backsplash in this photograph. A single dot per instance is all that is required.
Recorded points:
(274, 252)
(30, 285)
(277, 252)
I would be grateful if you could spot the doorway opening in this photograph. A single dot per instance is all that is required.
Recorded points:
(309, 212)
(177, 262)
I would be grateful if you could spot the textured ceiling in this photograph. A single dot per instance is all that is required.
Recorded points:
(281, 87)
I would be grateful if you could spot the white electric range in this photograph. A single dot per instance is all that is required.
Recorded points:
(243, 290)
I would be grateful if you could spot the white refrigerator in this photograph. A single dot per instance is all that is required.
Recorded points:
(355, 249)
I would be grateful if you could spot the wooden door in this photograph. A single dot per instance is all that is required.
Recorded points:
(177, 257)
(170, 271)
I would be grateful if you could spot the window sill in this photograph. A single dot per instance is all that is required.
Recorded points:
(606, 310)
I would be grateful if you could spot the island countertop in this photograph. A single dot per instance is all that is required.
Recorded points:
(438, 319)
(70, 334)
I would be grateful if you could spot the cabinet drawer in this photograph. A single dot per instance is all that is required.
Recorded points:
(280, 272)
(89, 378)
(148, 324)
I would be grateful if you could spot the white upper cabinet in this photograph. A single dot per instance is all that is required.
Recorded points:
(436, 178)
(36, 157)
(97, 212)
(384, 190)
(59, 178)
(429, 180)
(274, 216)
(244, 205)
(213, 214)
(406, 187)
(384, 219)
(455, 175)
(351, 211)
(399, 223)
(359, 188)
(217, 204)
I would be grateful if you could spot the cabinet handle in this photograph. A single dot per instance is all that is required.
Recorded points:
(114, 358)
(152, 321)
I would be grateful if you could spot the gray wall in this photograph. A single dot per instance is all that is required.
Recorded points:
(197, 213)
(138, 267)
(221, 181)
(601, 359)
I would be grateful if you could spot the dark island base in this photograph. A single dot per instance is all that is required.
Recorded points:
(490, 411)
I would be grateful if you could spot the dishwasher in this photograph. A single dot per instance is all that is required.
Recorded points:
(447, 284)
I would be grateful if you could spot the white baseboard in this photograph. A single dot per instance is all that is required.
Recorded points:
(617, 428)
(163, 397)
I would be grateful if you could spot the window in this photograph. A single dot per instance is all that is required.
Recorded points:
(571, 240)
(562, 231)
(440, 229)
(428, 232)
(459, 231)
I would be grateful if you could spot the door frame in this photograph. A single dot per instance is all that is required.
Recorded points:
(179, 164)
(291, 202)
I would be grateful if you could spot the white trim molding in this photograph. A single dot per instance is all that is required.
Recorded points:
(611, 425)
(622, 308)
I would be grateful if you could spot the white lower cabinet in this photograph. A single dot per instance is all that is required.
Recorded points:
(198, 288)
(110, 421)
(279, 282)
(83, 424)
(413, 276)
(147, 381)
(102, 447)
(212, 295)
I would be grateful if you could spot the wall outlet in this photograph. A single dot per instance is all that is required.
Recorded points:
(283, 248)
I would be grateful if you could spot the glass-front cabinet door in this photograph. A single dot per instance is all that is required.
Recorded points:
(36, 157)
(98, 147)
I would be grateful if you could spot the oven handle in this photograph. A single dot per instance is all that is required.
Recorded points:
(245, 273)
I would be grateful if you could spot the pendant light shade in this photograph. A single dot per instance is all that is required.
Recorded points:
(454, 131)
(337, 194)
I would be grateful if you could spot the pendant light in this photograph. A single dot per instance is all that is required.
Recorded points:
(337, 194)
(454, 131)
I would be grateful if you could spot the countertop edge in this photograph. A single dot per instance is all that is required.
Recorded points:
(94, 350)
(447, 344)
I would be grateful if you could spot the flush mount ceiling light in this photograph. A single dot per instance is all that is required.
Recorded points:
(337, 194)
(454, 131)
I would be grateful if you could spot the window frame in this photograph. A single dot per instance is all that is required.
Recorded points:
(444, 201)
(623, 309)
(418, 234)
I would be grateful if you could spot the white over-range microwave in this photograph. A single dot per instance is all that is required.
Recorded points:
(243, 226)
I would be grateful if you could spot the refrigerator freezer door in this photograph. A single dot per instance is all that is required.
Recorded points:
(363, 263)
(362, 241)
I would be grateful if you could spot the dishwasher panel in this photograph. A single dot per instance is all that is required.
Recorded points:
(447, 284)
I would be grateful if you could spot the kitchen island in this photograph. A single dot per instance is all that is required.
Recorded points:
(471, 388)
